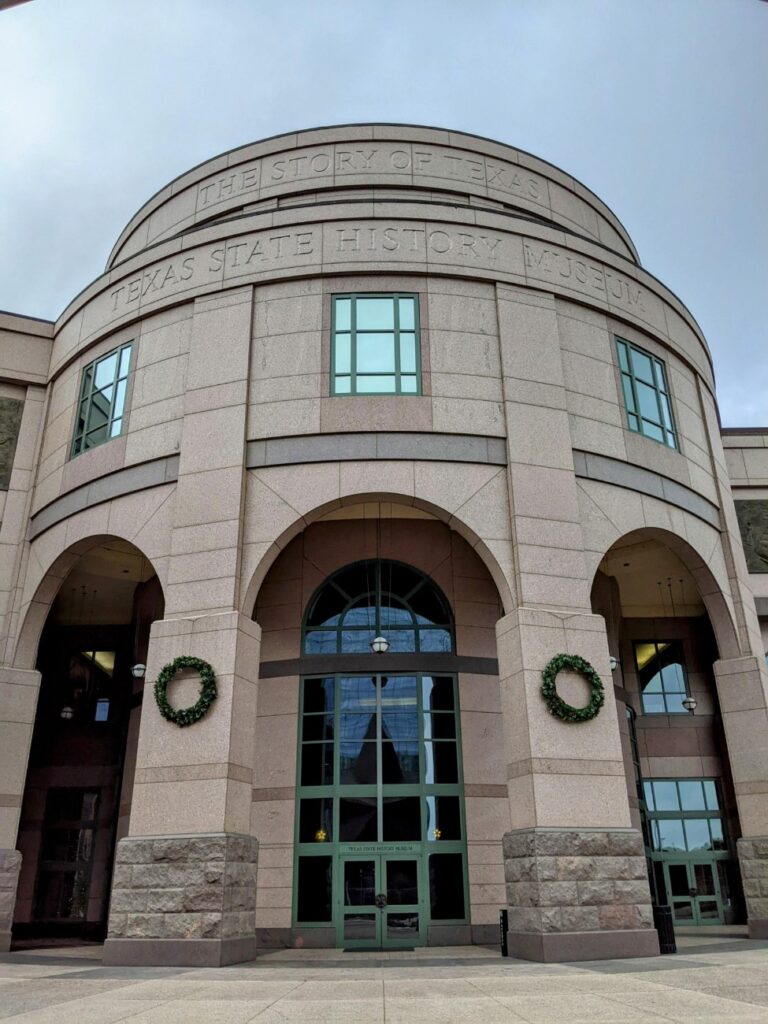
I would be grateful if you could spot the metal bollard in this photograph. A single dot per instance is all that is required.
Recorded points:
(503, 928)
(663, 922)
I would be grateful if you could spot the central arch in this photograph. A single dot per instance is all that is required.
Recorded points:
(387, 772)
(381, 837)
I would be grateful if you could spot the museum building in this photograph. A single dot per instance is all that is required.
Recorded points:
(372, 559)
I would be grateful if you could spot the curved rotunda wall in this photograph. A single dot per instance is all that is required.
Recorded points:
(462, 259)
(316, 165)
(232, 444)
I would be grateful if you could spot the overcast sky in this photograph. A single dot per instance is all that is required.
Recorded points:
(659, 106)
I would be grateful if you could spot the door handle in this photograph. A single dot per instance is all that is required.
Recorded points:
(381, 900)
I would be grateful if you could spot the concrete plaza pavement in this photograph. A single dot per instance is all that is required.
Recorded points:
(715, 978)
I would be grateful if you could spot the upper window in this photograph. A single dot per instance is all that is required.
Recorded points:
(661, 671)
(377, 598)
(102, 400)
(375, 345)
(646, 394)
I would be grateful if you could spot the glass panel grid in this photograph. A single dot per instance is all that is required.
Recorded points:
(102, 400)
(423, 808)
(661, 674)
(685, 816)
(377, 598)
(646, 394)
(375, 345)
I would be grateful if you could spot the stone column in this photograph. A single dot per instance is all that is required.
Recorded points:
(184, 889)
(741, 691)
(184, 886)
(577, 885)
(18, 702)
(10, 866)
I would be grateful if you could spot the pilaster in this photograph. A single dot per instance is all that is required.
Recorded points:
(577, 885)
(10, 866)
(204, 566)
(185, 877)
(741, 691)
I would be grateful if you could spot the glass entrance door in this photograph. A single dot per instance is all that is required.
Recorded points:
(381, 906)
(380, 830)
(694, 892)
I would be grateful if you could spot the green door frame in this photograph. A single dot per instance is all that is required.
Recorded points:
(694, 908)
(378, 910)
(326, 799)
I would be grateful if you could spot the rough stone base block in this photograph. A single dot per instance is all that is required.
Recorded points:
(183, 901)
(753, 861)
(10, 866)
(578, 895)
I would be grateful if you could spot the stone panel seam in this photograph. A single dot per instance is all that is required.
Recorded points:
(187, 773)
(279, 793)
(606, 470)
(479, 789)
(388, 445)
(128, 480)
(563, 766)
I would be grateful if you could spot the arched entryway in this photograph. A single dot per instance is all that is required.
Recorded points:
(394, 757)
(79, 779)
(667, 623)
(381, 835)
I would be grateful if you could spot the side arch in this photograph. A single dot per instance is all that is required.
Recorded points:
(35, 614)
(715, 601)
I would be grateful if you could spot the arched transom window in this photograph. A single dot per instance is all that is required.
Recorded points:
(378, 598)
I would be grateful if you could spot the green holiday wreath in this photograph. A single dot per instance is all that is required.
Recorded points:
(208, 690)
(554, 701)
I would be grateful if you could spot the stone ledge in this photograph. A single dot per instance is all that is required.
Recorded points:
(178, 952)
(575, 946)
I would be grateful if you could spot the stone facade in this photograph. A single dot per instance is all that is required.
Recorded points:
(578, 895)
(238, 480)
(194, 896)
(753, 857)
(10, 862)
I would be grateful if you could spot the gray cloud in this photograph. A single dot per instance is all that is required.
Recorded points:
(658, 107)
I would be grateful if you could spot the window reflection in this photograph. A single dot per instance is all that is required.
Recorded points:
(685, 815)
(375, 344)
(373, 752)
(661, 673)
(103, 392)
(378, 597)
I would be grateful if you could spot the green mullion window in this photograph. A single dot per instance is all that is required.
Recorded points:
(662, 676)
(377, 598)
(646, 394)
(375, 345)
(685, 817)
(412, 710)
(102, 400)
